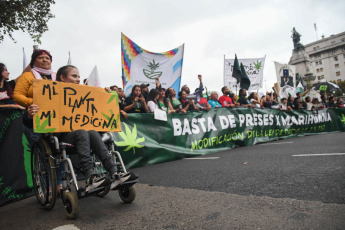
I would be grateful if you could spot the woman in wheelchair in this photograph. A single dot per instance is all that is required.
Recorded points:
(87, 141)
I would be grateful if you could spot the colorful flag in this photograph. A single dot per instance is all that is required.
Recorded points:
(254, 68)
(141, 66)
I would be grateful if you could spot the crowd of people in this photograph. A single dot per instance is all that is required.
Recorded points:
(141, 100)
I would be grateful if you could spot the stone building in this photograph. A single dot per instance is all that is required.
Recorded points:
(322, 60)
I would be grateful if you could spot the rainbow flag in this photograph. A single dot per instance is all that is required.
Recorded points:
(141, 66)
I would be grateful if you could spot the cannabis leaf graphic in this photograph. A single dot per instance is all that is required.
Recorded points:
(153, 66)
(257, 64)
(41, 128)
(130, 139)
(112, 97)
(343, 120)
(111, 114)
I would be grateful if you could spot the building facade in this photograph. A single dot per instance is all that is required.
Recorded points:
(327, 58)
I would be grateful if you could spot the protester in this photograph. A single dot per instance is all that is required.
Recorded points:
(308, 104)
(186, 105)
(198, 91)
(225, 100)
(202, 104)
(214, 100)
(268, 102)
(297, 103)
(6, 89)
(324, 102)
(340, 103)
(331, 102)
(242, 100)
(135, 103)
(145, 91)
(290, 101)
(284, 105)
(316, 104)
(40, 69)
(170, 94)
(152, 100)
(254, 100)
(233, 98)
(163, 103)
(114, 88)
(85, 141)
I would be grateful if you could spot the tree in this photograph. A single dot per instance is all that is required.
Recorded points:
(27, 15)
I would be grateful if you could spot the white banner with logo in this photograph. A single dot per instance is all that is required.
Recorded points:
(254, 68)
(141, 66)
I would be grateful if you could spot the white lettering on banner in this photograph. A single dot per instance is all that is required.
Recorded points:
(197, 125)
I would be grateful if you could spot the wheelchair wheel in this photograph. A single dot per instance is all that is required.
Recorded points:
(104, 192)
(70, 201)
(127, 195)
(43, 174)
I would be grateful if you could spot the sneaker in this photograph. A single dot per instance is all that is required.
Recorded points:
(122, 177)
(119, 178)
(96, 181)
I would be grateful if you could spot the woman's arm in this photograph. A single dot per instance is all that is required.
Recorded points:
(21, 90)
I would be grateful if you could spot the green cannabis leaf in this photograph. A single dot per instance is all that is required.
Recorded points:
(153, 66)
(41, 128)
(130, 139)
(257, 64)
(111, 114)
(112, 97)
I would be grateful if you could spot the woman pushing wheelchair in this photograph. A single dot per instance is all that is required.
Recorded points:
(84, 142)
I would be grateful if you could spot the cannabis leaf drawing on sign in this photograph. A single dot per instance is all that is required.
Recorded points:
(130, 139)
(151, 73)
(257, 64)
(117, 119)
(41, 128)
(112, 97)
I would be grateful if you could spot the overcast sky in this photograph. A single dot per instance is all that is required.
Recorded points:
(91, 31)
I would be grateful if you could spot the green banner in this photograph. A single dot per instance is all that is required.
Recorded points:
(145, 141)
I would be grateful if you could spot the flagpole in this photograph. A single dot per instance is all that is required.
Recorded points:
(224, 70)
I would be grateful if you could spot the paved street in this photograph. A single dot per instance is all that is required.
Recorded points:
(296, 183)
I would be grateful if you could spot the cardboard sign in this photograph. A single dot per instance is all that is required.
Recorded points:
(65, 107)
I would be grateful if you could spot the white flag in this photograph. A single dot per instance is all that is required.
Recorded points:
(93, 79)
(25, 60)
(69, 62)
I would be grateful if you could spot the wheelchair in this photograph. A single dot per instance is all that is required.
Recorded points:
(48, 154)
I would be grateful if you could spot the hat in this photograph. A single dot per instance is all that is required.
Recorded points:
(144, 85)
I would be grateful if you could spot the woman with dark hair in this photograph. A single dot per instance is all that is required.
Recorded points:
(170, 94)
(163, 102)
(254, 99)
(40, 69)
(135, 103)
(187, 105)
(152, 100)
(6, 89)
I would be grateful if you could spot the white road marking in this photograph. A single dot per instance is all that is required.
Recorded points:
(202, 158)
(321, 154)
(67, 227)
(277, 143)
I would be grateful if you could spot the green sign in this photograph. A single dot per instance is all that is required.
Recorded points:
(145, 141)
